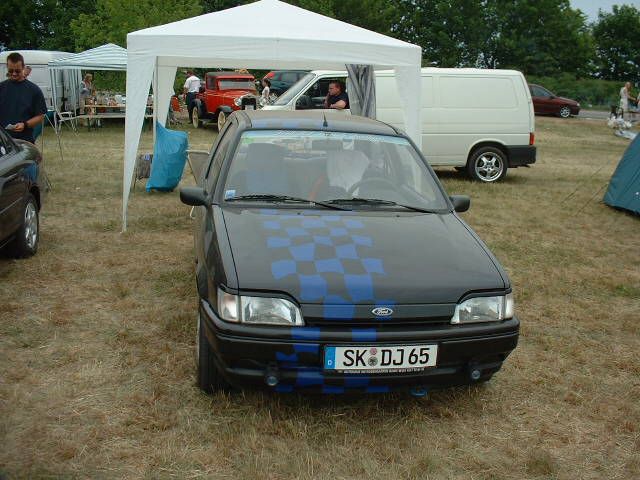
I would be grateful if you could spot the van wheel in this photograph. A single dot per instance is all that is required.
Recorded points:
(209, 378)
(26, 242)
(195, 115)
(222, 119)
(487, 164)
(565, 112)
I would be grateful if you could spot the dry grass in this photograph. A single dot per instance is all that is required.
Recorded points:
(97, 334)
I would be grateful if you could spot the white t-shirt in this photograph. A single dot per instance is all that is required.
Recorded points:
(192, 84)
(265, 95)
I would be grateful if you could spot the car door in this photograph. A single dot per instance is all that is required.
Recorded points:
(542, 100)
(12, 185)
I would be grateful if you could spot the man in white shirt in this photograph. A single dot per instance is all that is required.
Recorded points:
(191, 87)
(625, 95)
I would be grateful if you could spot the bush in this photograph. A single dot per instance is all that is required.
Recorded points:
(587, 91)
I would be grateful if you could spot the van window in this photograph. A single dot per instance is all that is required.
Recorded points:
(477, 92)
(318, 91)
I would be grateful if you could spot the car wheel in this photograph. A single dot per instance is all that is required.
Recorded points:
(565, 112)
(26, 242)
(195, 116)
(487, 164)
(209, 378)
(222, 119)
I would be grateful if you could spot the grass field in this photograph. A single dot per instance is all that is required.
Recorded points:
(97, 336)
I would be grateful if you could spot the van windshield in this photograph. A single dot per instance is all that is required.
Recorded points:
(294, 89)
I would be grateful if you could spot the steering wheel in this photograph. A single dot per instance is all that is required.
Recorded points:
(371, 180)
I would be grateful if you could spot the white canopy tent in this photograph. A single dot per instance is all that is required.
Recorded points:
(105, 57)
(265, 34)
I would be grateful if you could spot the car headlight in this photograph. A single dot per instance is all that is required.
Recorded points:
(484, 309)
(258, 310)
(238, 102)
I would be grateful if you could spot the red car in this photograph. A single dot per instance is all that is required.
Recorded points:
(220, 94)
(546, 103)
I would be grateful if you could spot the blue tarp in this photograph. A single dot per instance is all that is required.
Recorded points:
(624, 187)
(169, 157)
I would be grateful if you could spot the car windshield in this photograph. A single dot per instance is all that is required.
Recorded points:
(350, 170)
(294, 89)
(236, 84)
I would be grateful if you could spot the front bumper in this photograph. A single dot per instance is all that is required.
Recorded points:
(247, 355)
(521, 155)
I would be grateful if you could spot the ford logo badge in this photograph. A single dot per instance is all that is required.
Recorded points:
(382, 312)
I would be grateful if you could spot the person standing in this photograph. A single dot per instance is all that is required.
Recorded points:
(191, 88)
(625, 95)
(27, 72)
(22, 103)
(266, 91)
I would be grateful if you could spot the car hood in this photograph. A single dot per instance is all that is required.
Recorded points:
(367, 258)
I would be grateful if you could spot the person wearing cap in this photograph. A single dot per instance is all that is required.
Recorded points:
(22, 103)
(191, 88)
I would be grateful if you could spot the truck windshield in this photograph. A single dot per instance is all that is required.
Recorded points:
(236, 84)
(351, 170)
(294, 89)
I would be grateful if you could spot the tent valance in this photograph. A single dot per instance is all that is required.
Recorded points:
(105, 57)
(267, 34)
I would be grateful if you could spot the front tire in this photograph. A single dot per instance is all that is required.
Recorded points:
(26, 242)
(208, 376)
(222, 119)
(487, 164)
(565, 112)
(195, 118)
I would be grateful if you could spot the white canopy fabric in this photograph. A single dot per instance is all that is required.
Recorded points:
(262, 35)
(105, 57)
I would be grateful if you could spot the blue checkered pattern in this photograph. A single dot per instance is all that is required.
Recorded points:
(329, 255)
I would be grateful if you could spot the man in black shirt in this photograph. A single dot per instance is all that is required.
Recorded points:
(337, 97)
(22, 104)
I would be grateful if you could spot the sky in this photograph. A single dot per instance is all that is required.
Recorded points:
(590, 7)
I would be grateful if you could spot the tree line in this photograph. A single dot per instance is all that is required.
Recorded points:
(537, 37)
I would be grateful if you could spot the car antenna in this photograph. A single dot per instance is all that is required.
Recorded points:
(324, 123)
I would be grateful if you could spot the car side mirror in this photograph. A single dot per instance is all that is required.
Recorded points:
(461, 203)
(194, 196)
(304, 102)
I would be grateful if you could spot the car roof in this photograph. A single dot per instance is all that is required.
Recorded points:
(311, 120)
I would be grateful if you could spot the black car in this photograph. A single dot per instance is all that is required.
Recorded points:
(330, 259)
(281, 80)
(21, 192)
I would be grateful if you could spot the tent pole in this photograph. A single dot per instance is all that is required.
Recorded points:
(155, 101)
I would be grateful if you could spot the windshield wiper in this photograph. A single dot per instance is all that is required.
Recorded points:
(283, 198)
(378, 201)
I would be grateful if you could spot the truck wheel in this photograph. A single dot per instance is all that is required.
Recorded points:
(195, 115)
(222, 119)
(26, 242)
(487, 164)
(209, 378)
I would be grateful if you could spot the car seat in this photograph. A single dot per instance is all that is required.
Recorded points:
(265, 172)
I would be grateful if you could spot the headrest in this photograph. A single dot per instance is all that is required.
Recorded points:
(327, 145)
(265, 152)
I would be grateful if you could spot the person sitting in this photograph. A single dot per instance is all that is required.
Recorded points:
(337, 98)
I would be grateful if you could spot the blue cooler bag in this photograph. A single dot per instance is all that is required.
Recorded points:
(170, 155)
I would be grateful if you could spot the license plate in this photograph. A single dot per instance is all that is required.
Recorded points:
(380, 359)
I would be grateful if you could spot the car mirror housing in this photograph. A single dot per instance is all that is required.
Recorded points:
(461, 203)
(194, 196)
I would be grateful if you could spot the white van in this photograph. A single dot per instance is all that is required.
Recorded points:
(67, 82)
(476, 120)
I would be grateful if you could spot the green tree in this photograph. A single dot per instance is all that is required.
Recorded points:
(617, 39)
(113, 19)
(20, 25)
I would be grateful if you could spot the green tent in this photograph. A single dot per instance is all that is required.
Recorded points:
(624, 187)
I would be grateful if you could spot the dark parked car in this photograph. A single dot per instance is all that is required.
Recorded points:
(281, 80)
(21, 192)
(546, 103)
(330, 259)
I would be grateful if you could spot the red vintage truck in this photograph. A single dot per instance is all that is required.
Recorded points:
(220, 94)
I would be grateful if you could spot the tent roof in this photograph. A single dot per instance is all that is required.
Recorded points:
(105, 57)
(266, 29)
